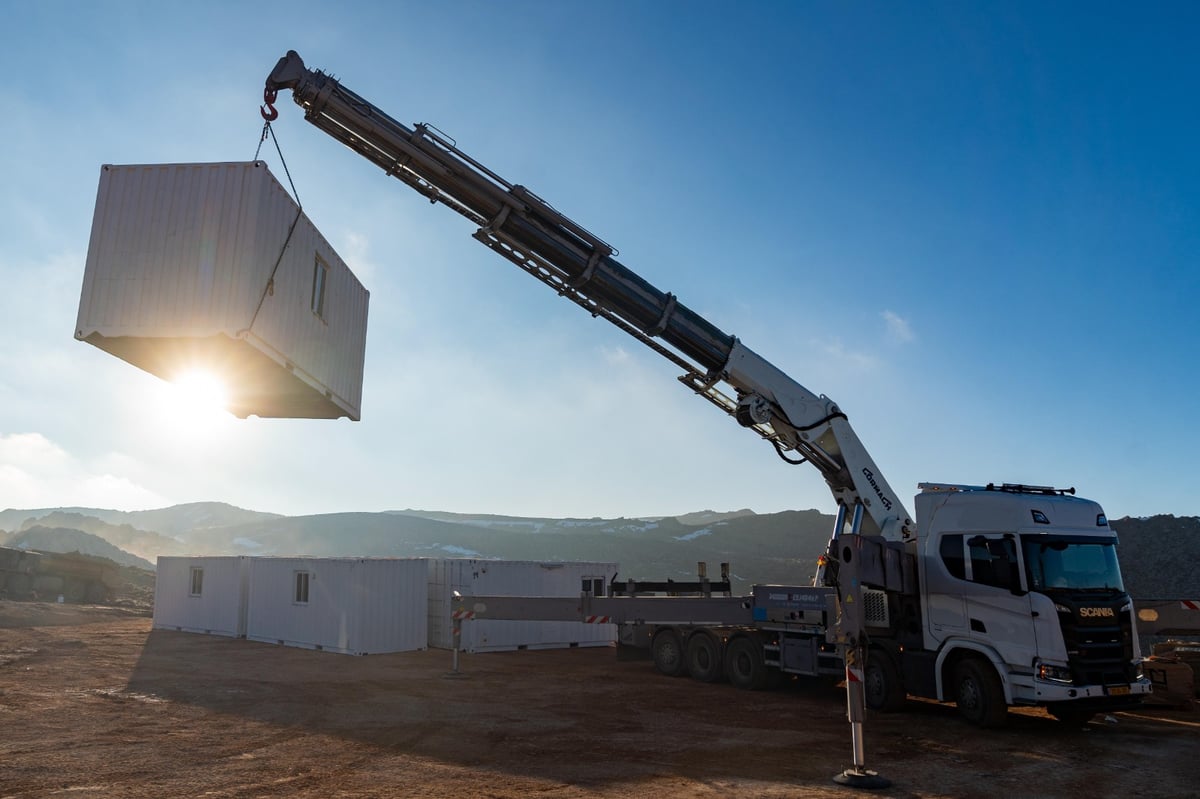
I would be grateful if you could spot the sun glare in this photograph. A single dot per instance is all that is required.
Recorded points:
(198, 393)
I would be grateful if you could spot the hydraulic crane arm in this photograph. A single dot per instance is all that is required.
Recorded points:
(577, 264)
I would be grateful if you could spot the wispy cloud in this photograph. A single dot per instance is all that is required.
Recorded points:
(899, 330)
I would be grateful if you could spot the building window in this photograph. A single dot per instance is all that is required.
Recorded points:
(302, 588)
(593, 586)
(320, 274)
(197, 582)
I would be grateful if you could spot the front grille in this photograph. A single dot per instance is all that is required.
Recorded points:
(1099, 651)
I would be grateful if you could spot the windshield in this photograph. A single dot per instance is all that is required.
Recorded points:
(1071, 563)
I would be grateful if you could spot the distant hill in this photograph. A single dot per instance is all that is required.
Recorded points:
(146, 544)
(60, 539)
(168, 522)
(1157, 553)
(779, 547)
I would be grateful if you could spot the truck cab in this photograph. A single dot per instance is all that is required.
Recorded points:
(1024, 580)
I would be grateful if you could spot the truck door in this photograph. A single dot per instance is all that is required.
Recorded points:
(944, 586)
(997, 605)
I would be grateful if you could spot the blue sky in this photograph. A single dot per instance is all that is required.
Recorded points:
(974, 225)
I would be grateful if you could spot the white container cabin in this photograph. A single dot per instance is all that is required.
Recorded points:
(201, 594)
(473, 577)
(214, 267)
(359, 606)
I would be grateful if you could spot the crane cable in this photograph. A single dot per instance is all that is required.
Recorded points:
(269, 114)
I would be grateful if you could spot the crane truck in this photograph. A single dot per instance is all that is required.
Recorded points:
(990, 597)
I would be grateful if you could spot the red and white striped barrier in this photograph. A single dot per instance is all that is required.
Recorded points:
(597, 620)
(463, 614)
(1190, 604)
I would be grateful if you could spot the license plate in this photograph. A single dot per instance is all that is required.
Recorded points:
(1118, 690)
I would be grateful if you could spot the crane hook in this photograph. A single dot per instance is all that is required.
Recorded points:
(268, 109)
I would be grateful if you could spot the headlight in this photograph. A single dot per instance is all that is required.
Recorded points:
(1061, 608)
(1052, 673)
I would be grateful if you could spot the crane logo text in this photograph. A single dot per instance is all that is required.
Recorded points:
(870, 475)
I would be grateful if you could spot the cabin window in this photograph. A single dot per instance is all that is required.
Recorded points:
(951, 550)
(196, 584)
(320, 276)
(302, 580)
(994, 562)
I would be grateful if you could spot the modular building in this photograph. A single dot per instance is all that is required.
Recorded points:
(472, 577)
(202, 594)
(360, 606)
(214, 267)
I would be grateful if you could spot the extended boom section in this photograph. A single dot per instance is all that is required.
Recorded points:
(581, 266)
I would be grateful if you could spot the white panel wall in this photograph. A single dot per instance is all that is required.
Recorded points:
(219, 608)
(181, 271)
(472, 577)
(356, 606)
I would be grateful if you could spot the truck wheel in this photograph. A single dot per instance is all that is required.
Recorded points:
(704, 657)
(667, 651)
(744, 664)
(883, 688)
(979, 694)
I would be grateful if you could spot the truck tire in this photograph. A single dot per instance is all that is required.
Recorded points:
(979, 694)
(667, 651)
(744, 664)
(704, 657)
(882, 684)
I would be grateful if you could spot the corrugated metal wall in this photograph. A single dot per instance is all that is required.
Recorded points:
(180, 270)
(371, 605)
(356, 606)
(512, 578)
(219, 608)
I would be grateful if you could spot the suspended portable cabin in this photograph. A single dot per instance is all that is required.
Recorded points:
(214, 267)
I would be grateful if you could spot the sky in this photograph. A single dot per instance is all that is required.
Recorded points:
(973, 225)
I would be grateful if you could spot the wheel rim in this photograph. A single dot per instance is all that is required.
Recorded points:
(968, 694)
(874, 685)
(668, 655)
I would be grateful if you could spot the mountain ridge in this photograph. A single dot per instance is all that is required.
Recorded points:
(778, 548)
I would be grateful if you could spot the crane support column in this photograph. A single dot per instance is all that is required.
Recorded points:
(853, 645)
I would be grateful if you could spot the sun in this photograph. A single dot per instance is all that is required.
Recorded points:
(197, 394)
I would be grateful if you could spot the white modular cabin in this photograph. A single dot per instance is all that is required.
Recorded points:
(358, 606)
(214, 267)
(473, 577)
(201, 594)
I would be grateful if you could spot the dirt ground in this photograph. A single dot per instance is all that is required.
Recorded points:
(93, 703)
